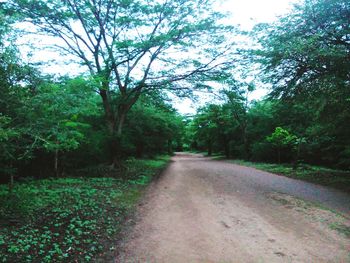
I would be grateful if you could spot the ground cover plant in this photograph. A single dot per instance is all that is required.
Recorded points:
(74, 219)
(315, 174)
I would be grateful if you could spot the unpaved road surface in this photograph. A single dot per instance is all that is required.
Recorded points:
(202, 210)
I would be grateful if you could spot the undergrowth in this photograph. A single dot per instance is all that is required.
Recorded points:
(69, 219)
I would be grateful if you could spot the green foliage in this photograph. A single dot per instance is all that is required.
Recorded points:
(309, 134)
(56, 112)
(49, 120)
(69, 219)
(153, 126)
(124, 44)
(305, 51)
(281, 138)
(12, 75)
(304, 55)
(6, 132)
(52, 117)
(207, 128)
(341, 228)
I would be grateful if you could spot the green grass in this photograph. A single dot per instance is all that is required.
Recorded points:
(320, 175)
(69, 219)
(341, 228)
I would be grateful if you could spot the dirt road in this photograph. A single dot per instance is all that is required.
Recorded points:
(202, 210)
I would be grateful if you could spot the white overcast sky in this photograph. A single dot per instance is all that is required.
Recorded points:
(245, 13)
(249, 12)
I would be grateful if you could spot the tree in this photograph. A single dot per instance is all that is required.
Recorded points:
(236, 98)
(211, 127)
(307, 51)
(55, 114)
(7, 149)
(280, 139)
(305, 56)
(153, 126)
(13, 74)
(133, 46)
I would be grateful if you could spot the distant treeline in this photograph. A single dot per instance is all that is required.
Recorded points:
(305, 58)
(274, 130)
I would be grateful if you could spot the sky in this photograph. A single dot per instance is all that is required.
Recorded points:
(249, 12)
(245, 13)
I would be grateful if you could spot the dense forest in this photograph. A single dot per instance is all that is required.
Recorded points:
(305, 58)
(136, 56)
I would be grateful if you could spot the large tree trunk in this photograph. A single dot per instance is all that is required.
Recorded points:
(116, 132)
(114, 128)
(115, 118)
(113, 140)
(115, 151)
(117, 141)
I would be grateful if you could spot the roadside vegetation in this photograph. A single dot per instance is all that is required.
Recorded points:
(75, 219)
(77, 146)
(303, 124)
(338, 179)
(315, 212)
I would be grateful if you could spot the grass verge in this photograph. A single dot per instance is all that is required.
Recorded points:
(73, 219)
(314, 212)
(315, 174)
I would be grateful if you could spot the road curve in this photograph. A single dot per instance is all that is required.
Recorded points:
(202, 210)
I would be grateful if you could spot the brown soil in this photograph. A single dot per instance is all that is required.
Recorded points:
(209, 211)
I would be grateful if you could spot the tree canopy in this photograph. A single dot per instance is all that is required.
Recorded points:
(136, 51)
(135, 46)
(114, 115)
(307, 51)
